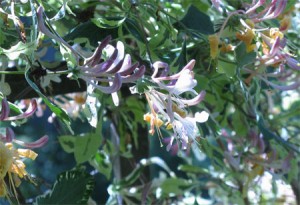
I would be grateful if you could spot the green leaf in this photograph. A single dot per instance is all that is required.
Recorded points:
(134, 29)
(67, 142)
(59, 112)
(135, 174)
(20, 48)
(101, 161)
(269, 135)
(242, 57)
(228, 68)
(240, 123)
(175, 186)
(193, 169)
(197, 20)
(62, 11)
(71, 187)
(92, 32)
(68, 56)
(182, 58)
(108, 22)
(86, 147)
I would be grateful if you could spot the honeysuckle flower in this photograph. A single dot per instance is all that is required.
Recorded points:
(10, 138)
(12, 161)
(214, 45)
(114, 67)
(247, 35)
(168, 108)
(270, 10)
(108, 65)
(275, 55)
(5, 111)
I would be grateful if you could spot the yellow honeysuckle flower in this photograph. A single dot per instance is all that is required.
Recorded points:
(12, 165)
(247, 37)
(214, 45)
(225, 48)
(275, 32)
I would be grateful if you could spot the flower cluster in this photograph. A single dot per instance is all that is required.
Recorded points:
(114, 68)
(269, 44)
(106, 69)
(168, 108)
(251, 157)
(11, 158)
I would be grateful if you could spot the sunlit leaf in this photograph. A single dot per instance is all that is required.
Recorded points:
(19, 49)
(67, 142)
(86, 146)
(108, 22)
(71, 187)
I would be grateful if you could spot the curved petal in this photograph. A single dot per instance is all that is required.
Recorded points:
(96, 57)
(36, 144)
(188, 66)
(185, 82)
(282, 87)
(293, 63)
(201, 116)
(159, 65)
(5, 110)
(116, 85)
(116, 68)
(48, 33)
(30, 111)
(120, 48)
(138, 74)
(129, 70)
(126, 63)
(10, 135)
(196, 100)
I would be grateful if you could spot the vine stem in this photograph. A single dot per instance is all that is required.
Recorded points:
(65, 72)
(227, 19)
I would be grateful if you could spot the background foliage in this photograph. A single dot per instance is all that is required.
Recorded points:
(246, 152)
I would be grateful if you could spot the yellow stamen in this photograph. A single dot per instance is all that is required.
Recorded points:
(169, 126)
(147, 117)
(18, 167)
(274, 33)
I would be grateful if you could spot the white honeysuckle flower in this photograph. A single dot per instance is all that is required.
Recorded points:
(201, 116)
(185, 83)
(168, 107)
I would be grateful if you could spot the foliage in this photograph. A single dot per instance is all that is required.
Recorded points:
(192, 102)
